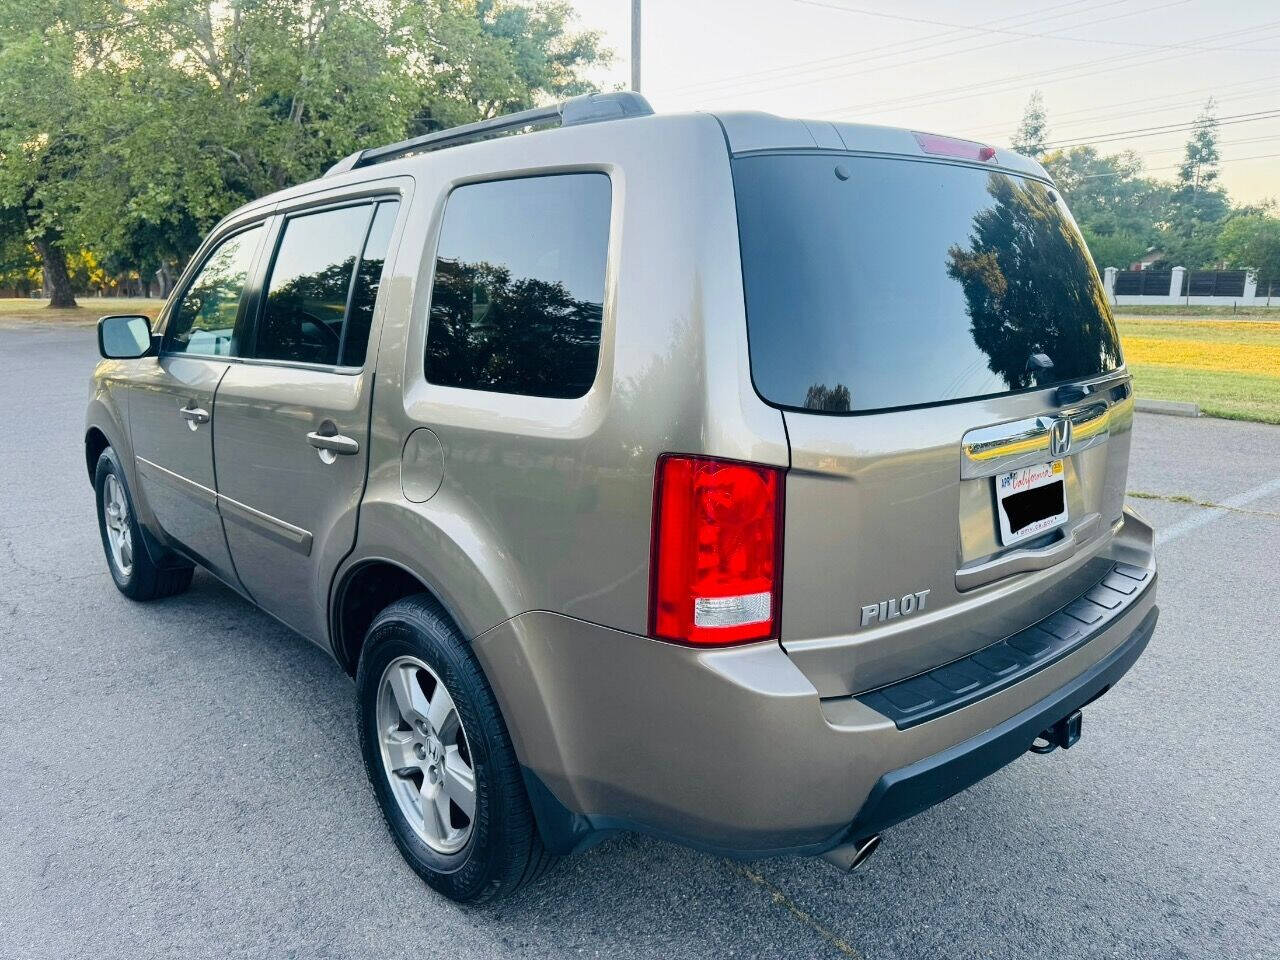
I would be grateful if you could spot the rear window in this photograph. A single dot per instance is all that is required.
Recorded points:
(878, 283)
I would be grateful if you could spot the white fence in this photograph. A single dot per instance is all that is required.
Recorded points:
(1182, 290)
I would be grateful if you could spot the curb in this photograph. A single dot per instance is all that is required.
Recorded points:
(1173, 408)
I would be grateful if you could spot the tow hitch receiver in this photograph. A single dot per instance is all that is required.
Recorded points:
(1062, 734)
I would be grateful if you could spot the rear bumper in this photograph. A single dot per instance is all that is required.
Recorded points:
(732, 751)
(904, 792)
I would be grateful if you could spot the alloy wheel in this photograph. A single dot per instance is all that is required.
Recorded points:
(115, 510)
(425, 754)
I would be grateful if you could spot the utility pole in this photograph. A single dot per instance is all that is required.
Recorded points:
(635, 45)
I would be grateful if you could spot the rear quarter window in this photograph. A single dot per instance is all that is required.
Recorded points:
(891, 283)
(518, 297)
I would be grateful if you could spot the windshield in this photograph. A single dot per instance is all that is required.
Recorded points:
(875, 283)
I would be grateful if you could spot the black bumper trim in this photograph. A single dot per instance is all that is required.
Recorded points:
(996, 667)
(909, 790)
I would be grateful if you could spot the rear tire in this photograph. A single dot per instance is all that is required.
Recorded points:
(132, 569)
(429, 724)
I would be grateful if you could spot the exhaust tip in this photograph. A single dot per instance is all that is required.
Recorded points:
(850, 856)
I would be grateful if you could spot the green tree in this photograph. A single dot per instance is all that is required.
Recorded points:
(1033, 131)
(1252, 241)
(1199, 169)
(271, 92)
(491, 57)
(1198, 204)
(131, 126)
(1114, 248)
(19, 265)
(1118, 209)
(44, 106)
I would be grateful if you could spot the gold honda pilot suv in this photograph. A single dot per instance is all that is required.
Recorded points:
(749, 482)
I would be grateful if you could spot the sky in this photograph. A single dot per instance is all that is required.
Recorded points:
(1109, 67)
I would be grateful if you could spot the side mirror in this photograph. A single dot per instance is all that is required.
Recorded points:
(124, 337)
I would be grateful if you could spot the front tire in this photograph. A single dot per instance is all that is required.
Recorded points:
(440, 760)
(132, 569)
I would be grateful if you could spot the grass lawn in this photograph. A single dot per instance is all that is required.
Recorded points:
(1183, 310)
(20, 311)
(1230, 368)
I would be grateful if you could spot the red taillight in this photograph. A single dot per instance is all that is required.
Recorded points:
(954, 147)
(716, 564)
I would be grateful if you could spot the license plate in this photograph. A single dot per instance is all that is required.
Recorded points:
(1031, 501)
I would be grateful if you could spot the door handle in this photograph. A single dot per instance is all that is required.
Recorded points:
(194, 416)
(332, 443)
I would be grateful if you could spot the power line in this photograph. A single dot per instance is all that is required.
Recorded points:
(890, 50)
(980, 88)
(1089, 115)
(1268, 91)
(846, 74)
(1213, 90)
(1221, 143)
(1173, 166)
(1089, 68)
(1033, 36)
(1141, 132)
(885, 50)
(1142, 156)
(1162, 128)
(1123, 62)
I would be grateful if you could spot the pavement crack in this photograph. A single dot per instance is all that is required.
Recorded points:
(1193, 502)
(12, 551)
(781, 899)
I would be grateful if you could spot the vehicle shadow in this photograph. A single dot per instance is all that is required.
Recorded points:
(1019, 865)
(630, 896)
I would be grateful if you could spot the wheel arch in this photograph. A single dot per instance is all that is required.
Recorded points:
(95, 441)
(363, 590)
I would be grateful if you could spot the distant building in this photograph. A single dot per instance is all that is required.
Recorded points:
(1153, 255)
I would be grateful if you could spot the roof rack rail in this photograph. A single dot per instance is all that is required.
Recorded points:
(588, 108)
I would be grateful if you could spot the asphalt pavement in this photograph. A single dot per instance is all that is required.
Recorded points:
(182, 778)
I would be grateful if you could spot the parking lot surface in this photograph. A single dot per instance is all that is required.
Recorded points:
(183, 779)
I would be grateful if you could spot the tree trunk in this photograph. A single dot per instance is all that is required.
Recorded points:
(57, 282)
(165, 276)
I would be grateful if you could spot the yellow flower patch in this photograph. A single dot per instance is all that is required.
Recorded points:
(1216, 355)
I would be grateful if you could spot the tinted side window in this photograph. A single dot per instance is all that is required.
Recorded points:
(205, 317)
(519, 286)
(306, 302)
(355, 340)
